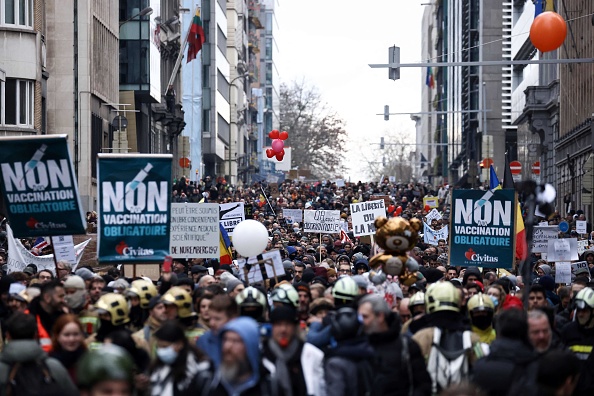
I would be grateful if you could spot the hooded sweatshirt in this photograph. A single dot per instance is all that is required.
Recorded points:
(247, 329)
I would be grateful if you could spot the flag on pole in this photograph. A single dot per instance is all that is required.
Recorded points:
(493, 180)
(226, 256)
(430, 80)
(196, 37)
(521, 244)
(344, 238)
(39, 244)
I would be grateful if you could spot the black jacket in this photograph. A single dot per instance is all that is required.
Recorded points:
(581, 342)
(392, 374)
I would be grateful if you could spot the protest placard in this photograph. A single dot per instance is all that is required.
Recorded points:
(541, 236)
(433, 215)
(578, 265)
(339, 183)
(64, 250)
(270, 266)
(432, 236)
(363, 216)
(562, 250)
(321, 221)
(274, 193)
(230, 215)
(194, 230)
(581, 226)
(293, 215)
(563, 272)
(134, 195)
(432, 202)
(582, 245)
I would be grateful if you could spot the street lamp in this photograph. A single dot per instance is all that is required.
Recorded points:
(246, 74)
(146, 11)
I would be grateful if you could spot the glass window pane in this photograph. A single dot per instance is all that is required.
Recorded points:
(30, 19)
(31, 92)
(22, 11)
(9, 11)
(22, 102)
(11, 97)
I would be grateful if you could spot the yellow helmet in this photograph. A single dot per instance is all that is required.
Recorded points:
(480, 302)
(442, 296)
(417, 299)
(116, 305)
(144, 289)
(180, 297)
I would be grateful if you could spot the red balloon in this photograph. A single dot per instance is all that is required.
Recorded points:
(283, 135)
(269, 153)
(391, 209)
(280, 156)
(398, 210)
(548, 31)
(282, 152)
(273, 134)
(427, 209)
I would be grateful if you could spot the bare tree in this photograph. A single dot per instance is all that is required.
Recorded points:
(396, 158)
(317, 135)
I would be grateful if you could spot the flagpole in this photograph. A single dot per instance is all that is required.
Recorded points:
(179, 56)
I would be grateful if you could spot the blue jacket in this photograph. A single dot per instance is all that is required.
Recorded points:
(209, 343)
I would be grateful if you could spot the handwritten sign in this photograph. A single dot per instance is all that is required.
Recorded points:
(580, 227)
(64, 250)
(364, 215)
(293, 215)
(433, 215)
(582, 245)
(321, 221)
(563, 272)
(432, 236)
(562, 250)
(194, 230)
(541, 236)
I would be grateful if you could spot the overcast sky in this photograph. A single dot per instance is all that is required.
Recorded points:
(330, 43)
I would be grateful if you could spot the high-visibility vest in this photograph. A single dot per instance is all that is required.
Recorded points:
(45, 340)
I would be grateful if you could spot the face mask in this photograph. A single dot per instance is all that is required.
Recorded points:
(76, 299)
(167, 355)
(482, 321)
(495, 301)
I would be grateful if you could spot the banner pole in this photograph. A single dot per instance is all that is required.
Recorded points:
(54, 257)
(320, 247)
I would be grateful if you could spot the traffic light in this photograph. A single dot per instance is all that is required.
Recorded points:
(394, 57)
(382, 143)
(386, 113)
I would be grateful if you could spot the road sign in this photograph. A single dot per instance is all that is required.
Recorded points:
(564, 226)
(486, 163)
(536, 168)
(516, 167)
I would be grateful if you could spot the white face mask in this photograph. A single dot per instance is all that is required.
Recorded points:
(167, 355)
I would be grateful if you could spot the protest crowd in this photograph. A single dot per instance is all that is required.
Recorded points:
(330, 325)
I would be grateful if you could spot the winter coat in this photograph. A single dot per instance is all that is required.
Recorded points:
(581, 342)
(340, 366)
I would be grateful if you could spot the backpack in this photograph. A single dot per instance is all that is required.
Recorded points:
(449, 358)
(32, 379)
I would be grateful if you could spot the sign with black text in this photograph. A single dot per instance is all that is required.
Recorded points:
(363, 215)
(194, 230)
(541, 236)
(231, 214)
(321, 221)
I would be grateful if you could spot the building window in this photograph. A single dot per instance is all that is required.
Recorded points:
(17, 102)
(16, 12)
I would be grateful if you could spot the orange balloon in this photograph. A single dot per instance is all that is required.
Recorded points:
(548, 31)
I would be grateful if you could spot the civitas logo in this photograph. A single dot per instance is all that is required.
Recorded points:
(471, 255)
(39, 225)
(123, 249)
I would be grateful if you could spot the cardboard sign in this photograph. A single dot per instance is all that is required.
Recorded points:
(541, 236)
(339, 183)
(363, 216)
(293, 215)
(152, 271)
(432, 236)
(581, 226)
(257, 272)
(433, 215)
(230, 215)
(64, 250)
(321, 221)
(432, 202)
(563, 272)
(274, 190)
(562, 250)
(39, 187)
(577, 266)
(134, 196)
(482, 231)
(194, 230)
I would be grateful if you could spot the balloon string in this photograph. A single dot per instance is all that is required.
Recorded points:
(497, 40)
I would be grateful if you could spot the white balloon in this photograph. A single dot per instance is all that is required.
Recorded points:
(250, 238)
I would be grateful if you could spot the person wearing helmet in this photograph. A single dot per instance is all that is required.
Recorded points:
(178, 305)
(481, 310)
(252, 303)
(459, 348)
(344, 292)
(139, 294)
(157, 316)
(109, 370)
(284, 294)
(418, 320)
(112, 309)
(578, 337)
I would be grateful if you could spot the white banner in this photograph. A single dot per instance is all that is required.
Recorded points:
(230, 215)
(433, 215)
(194, 230)
(19, 257)
(541, 236)
(431, 236)
(321, 221)
(293, 215)
(363, 216)
(562, 250)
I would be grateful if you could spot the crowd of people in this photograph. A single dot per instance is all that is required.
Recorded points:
(325, 327)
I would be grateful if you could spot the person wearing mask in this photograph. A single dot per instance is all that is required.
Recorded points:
(46, 309)
(68, 343)
(139, 295)
(481, 310)
(394, 375)
(157, 316)
(178, 306)
(112, 309)
(77, 300)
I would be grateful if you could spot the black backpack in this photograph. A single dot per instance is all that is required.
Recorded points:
(32, 379)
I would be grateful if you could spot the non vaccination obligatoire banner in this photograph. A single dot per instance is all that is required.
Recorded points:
(134, 207)
(39, 186)
(321, 221)
(363, 216)
(194, 230)
(482, 229)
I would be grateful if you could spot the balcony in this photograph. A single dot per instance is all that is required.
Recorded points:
(254, 43)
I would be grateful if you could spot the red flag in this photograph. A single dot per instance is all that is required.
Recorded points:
(196, 37)
(344, 238)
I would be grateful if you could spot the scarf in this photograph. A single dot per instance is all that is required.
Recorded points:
(282, 357)
(162, 383)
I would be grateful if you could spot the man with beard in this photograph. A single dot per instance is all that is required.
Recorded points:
(113, 311)
(296, 367)
(96, 289)
(239, 370)
(47, 308)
